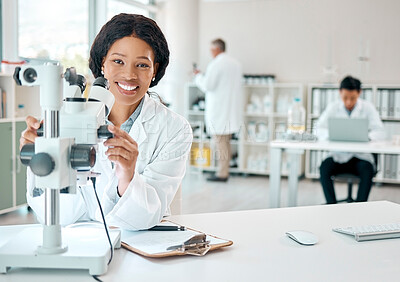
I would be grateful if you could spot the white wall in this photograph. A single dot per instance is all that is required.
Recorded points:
(290, 38)
(178, 20)
(9, 17)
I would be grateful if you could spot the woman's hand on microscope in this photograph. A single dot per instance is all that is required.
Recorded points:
(123, 152)
(30, 133)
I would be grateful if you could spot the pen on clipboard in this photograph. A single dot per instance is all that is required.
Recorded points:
(167, 228)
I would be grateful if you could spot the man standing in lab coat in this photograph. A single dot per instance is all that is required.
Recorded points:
(362, 165)
(222, 83)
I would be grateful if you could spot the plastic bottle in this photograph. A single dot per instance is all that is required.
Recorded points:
(267, 104)
(296, 117)
(250, 162)
(252, 131)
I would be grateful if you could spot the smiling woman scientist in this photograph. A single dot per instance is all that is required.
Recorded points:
(143, 165)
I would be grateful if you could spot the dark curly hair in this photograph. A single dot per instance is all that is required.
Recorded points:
(350, 83)
(123, 25)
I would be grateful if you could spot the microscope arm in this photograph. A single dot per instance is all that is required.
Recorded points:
(72, 206)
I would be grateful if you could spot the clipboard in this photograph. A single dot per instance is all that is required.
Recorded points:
(159, 244)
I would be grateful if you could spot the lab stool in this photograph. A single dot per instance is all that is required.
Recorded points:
(350, 179)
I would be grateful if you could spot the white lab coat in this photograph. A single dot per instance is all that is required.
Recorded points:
(222, 83)
(164, 140)
(362, 109)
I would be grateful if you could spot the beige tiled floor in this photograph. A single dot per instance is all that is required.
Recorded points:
(20, 216)
(243, 193)
(239, 193)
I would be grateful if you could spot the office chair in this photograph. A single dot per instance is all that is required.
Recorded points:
(351, 179)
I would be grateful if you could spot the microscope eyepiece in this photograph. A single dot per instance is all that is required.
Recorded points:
(71, 76)
(81, 82)
(102, 82)
(104, 133)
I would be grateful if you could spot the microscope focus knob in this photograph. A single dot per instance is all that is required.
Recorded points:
(42, 164)
(82, 156)
(104, 133)
(102, 82)
(26, 154)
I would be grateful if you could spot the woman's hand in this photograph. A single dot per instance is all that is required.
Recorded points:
(30, 133)
(123, 152)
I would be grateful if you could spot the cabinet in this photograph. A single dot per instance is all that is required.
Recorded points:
(20, 169)
(16, 103)
(386, 99)
(6, 187)
(264, 119)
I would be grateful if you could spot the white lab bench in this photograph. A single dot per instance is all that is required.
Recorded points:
(296, 149)
(261, 251)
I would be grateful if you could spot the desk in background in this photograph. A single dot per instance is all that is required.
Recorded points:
(296, 149)
(261, 250)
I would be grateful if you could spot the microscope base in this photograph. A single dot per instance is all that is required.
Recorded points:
(88, 248)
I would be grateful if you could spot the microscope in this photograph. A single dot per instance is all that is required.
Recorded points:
(61, 156)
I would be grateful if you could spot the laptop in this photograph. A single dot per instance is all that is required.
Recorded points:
(348, 129)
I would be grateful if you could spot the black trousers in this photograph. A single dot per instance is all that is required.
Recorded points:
(363, 169)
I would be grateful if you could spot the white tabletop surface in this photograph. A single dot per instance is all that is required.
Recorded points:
(356, 147)
(261, 250)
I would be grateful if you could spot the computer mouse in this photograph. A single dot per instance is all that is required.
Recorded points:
(303, 237)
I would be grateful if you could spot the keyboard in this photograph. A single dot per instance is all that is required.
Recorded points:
(372, 232)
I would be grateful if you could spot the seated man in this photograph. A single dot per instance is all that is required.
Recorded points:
(362, 165)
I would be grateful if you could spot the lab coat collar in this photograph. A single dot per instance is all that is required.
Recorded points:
(220, 55)
(137, 131)
(357, 108)
(148, 110)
